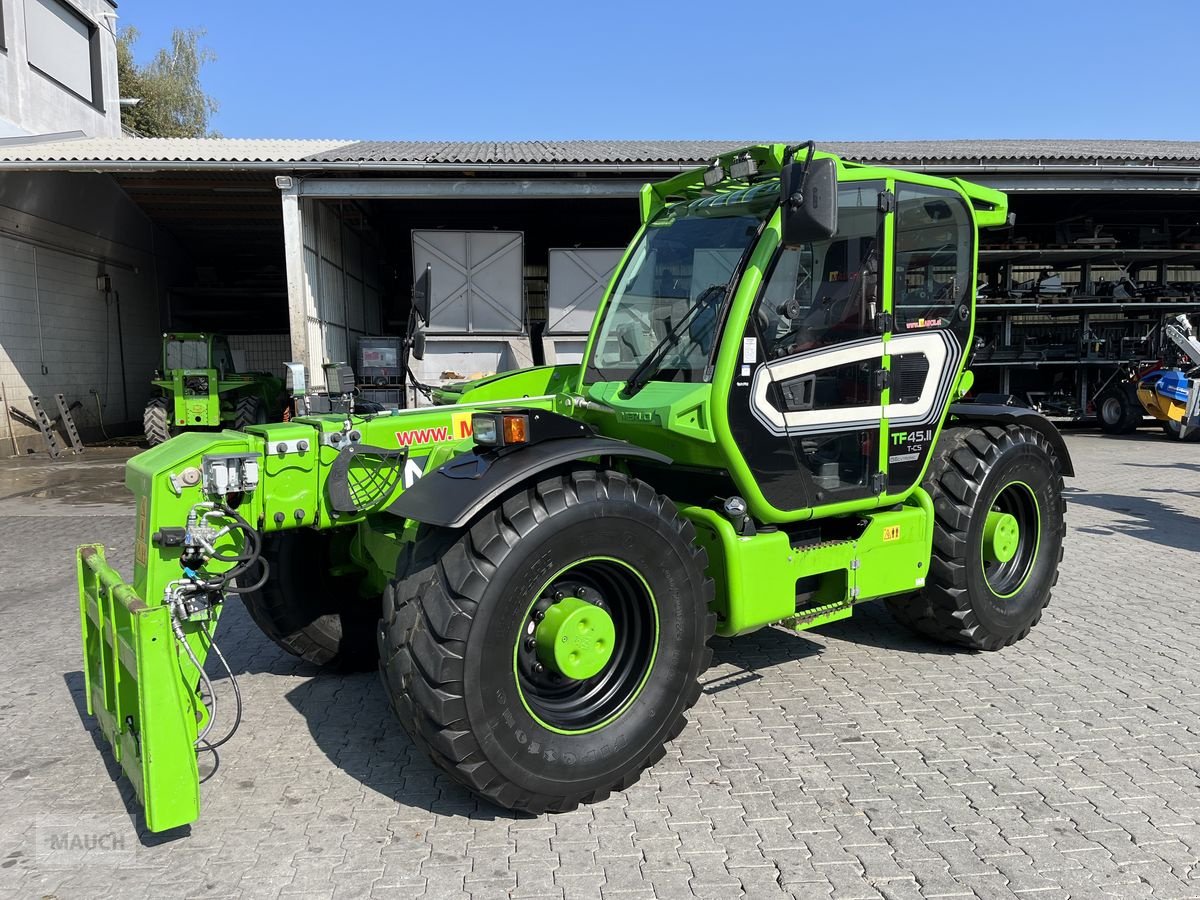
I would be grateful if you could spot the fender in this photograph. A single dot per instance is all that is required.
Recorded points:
(453, 493)
(1000, 414)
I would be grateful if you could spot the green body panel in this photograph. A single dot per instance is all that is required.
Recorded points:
(510, 386)
(758, 579)
(789, 571)
(669, 417)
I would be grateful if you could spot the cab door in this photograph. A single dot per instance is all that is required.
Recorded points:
(931, 297)
(807, 411)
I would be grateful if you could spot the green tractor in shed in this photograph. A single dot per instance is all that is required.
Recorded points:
(768, 426)
(198, 388)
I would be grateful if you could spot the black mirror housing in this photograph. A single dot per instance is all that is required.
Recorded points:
(808, 201)
(418, 344)
(421, 296)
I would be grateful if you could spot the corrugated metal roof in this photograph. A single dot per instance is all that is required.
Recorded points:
(585, 152)
(994, 151)
(529, 152)
(134, 149)
(365, 155)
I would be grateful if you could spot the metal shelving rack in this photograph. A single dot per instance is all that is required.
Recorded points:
(1007, 323)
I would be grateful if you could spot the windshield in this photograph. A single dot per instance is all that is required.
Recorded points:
(182, 354)
(684, 254)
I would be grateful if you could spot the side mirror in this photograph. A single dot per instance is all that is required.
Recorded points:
(418, 343)
(808, 201)
(421, 294)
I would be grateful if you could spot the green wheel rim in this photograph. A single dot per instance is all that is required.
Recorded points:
(1001, 537)
(575, 638)
(1012, 537)
(616, 607)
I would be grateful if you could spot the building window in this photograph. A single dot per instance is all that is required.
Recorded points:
(64, 46)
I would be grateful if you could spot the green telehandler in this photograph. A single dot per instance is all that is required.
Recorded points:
(199, 388)
(768, 426)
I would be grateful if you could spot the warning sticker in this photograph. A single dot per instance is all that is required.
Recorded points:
(749, 350)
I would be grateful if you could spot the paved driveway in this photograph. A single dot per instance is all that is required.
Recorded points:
(855, 761)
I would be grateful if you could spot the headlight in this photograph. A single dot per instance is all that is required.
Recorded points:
(500, 429)
(485, 429)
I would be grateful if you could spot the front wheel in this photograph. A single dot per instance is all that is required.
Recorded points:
(545, 656)
(1119, 410)
(1174, 431)
(308, 610)
(249, 411)
(997, 537)
(156, 421)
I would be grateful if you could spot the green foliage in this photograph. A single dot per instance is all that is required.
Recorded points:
(173, 104)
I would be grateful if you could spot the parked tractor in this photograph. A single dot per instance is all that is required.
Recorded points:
(768, 427)
(199, 388)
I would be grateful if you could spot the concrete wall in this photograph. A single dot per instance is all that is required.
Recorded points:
(58, 329)
(33, 103)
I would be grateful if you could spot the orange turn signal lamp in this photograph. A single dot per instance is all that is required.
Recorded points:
(500, 429)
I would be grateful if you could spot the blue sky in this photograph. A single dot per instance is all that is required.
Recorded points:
(369, 69)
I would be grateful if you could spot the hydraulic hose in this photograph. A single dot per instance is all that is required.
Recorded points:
(212, 708)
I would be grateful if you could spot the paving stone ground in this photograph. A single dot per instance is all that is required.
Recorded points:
(856, 761)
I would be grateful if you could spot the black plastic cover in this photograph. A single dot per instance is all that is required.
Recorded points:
(997, 414)
(453, 493)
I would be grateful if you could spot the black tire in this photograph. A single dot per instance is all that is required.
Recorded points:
(250, 411)
(451, 658)
(1173, 430)
(156, 421)
(1119, 410)
(966, 601)
(319, 617)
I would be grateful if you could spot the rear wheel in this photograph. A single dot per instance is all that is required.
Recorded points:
(1119, 410)
(545, 656)
(997, 540)
(1174, 430)
(156, 421)
(309, 612)
(250, 411)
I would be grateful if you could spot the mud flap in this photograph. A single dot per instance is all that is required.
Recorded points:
(136, 689)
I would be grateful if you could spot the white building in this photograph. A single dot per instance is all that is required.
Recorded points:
(81, 266)
(58, 71)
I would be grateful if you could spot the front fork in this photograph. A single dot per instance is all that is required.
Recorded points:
(144, 658)
(142, 689)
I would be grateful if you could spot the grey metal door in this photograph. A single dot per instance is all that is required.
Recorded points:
(477, 280)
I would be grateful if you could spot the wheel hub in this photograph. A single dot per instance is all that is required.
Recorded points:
(575, 638)
(1001, 537)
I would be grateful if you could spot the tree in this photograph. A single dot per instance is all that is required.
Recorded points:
(172, 102)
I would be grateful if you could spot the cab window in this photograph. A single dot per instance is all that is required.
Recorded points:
(826, 292)
(933, 259)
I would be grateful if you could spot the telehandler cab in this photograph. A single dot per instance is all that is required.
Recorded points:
(767, 427)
